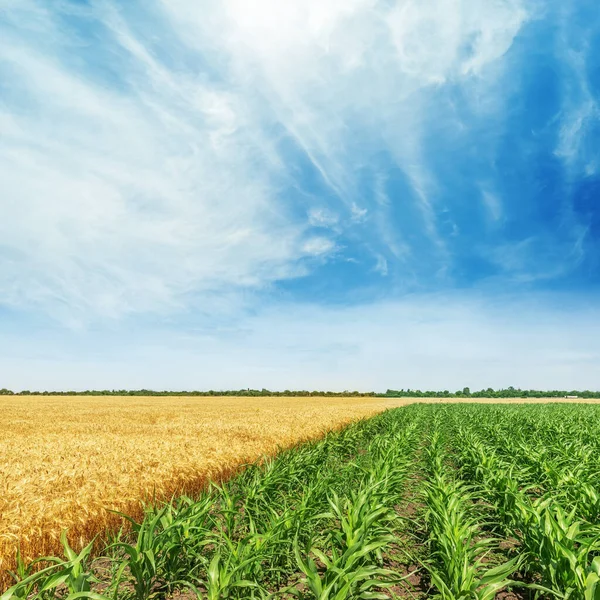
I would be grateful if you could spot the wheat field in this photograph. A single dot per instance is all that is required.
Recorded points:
(65, 460)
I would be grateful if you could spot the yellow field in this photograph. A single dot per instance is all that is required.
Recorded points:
(65, 460)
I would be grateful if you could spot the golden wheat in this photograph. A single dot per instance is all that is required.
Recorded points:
(65, 460)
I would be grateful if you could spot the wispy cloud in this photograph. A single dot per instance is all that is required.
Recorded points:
(126, 200)
(580, 102)
(146, 150)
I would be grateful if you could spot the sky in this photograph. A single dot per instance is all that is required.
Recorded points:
(314, 194)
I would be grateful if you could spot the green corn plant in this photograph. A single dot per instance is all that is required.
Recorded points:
(351, 567)
(224, 578)
(362, 519)
(35, 583)
(73, 574)
(343, 576)
(79, 578)
(20, 575)
(141, 562)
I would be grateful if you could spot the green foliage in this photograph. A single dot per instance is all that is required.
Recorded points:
(72, 574)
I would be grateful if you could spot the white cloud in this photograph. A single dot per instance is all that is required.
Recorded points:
(117, 202)
(168, 187)
(322, 217)
(318, 245)
(348, 79)
(444, 39)
(358, 213)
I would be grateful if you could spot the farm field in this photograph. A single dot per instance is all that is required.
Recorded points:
(64, 460)
(429, 500)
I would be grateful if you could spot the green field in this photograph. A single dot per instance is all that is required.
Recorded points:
(447, 501)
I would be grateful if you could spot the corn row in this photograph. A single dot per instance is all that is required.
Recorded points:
(458, 548)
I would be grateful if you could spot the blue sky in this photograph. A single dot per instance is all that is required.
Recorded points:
(350, 194)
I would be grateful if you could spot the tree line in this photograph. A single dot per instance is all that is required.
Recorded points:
(509, 392)
(243, 392)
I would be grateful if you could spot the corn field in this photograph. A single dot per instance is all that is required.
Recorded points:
(427, 501)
